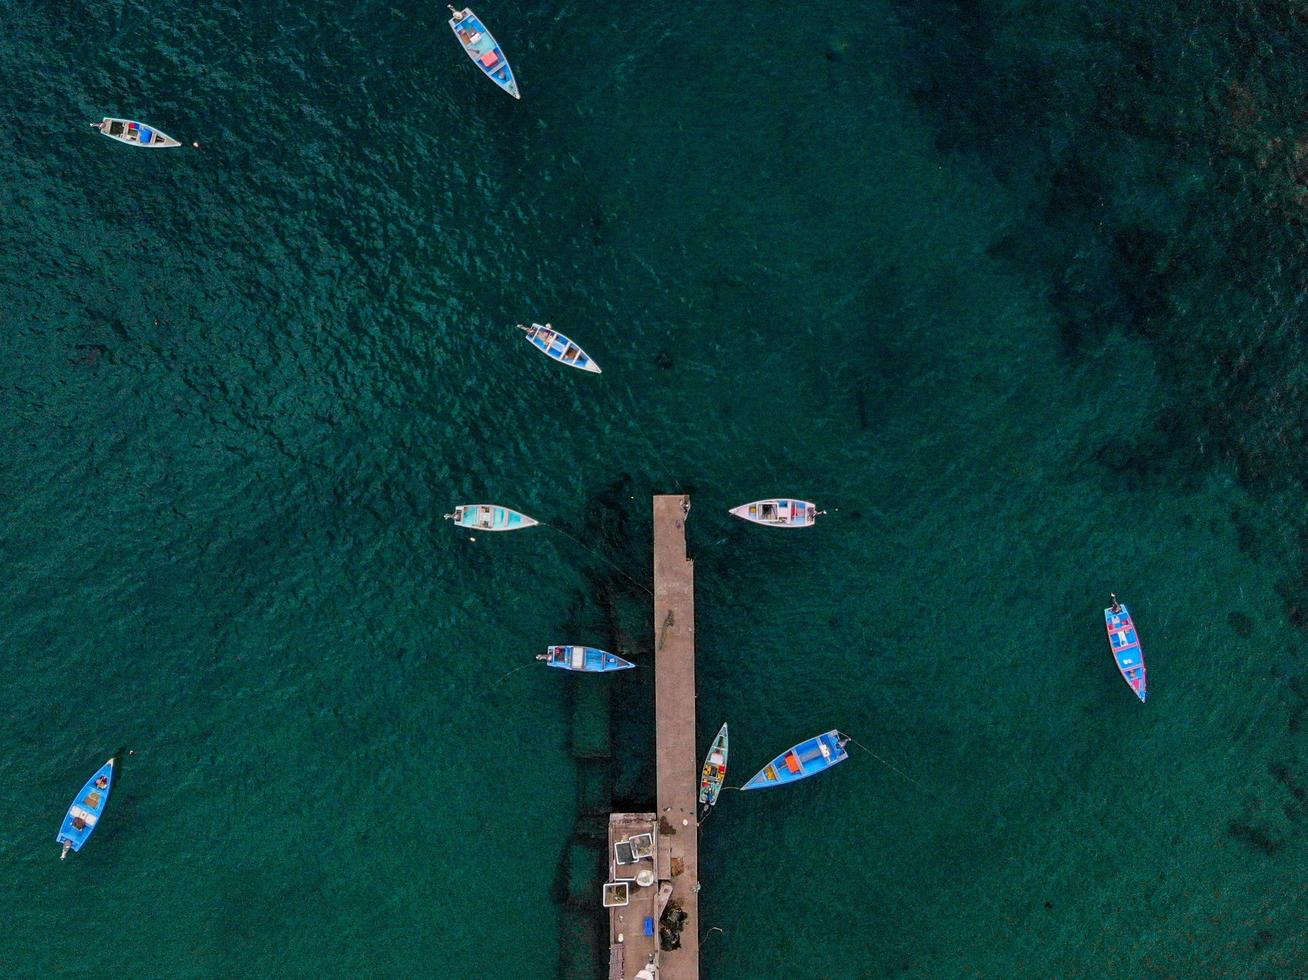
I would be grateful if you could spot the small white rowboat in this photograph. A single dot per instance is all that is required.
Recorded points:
(779, 512)
(134, 133)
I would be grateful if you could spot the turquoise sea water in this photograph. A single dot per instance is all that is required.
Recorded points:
(1010, 292)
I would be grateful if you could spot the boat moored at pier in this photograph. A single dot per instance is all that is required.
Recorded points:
(715, 769)
(806, 759)
(779, 512)
(588, 660)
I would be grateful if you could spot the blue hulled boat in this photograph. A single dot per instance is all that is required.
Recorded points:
(804, 760)
(84, 814)
(558, 347)
(586, 659)
(489, 517)
(483, 49)
(1125, 644)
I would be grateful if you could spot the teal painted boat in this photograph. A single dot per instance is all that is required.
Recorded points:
(490, 517)
(715, 769)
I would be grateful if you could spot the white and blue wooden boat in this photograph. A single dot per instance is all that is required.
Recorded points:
(1125, 644)
(84, 814)
(803, 760)
(558, 347)
(134, 133)
(715, 769)
(483, 49)
(779, 512)
(489, 517)
(585, 659)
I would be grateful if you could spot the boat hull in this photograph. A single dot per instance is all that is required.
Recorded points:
(490, 517)
(586, 660)
(559, 348)
(134, 133)
(480, 45)
(84, 814)
(1124, 642)
(714, 770)
(806, 759)
(778, 512)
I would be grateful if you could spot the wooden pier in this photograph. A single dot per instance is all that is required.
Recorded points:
(674, 723)
(676, 832)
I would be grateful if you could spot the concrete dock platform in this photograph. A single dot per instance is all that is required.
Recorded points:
(633, 928)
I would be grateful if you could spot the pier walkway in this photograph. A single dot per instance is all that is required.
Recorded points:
(674, 723)
(675, 860)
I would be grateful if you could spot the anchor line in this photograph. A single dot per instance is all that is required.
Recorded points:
(512, 672)
(891, 766)
(612, 564)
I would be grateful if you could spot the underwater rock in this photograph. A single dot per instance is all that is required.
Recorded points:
(1256, 838)
(1241, 624)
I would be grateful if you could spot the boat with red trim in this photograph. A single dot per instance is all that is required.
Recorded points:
(483, 49)
(806, 759)
(1124, 641)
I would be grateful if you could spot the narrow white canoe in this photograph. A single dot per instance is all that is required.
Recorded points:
(489, 517)
(559, 348)
(779, 512)
(134, 133)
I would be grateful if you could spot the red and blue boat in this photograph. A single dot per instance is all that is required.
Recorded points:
(801, 761)
(483, 49)
(84, 814)
(1125, 644)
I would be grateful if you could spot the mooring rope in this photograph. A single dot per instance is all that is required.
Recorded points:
(891, 766)
(612, 564)
(512, 672)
